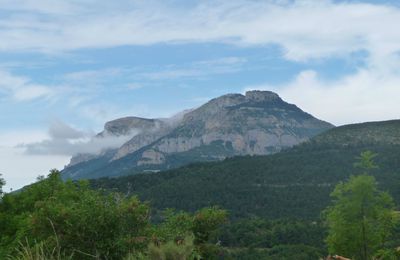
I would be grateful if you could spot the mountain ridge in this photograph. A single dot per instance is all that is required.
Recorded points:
(294, 183)
(256, 123)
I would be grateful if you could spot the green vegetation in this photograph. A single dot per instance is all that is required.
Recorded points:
(292, 184)
(2, 183)
(262, 193)
(52, 219)
(302, 203)
(362, 218)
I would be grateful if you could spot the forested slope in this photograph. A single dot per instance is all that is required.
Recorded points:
(294, 183)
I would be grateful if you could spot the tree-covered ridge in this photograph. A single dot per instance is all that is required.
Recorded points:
(295, 183)
(361, 223)
(385, 132)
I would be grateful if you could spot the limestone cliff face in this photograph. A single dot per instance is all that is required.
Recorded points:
(259, 122)
(82, 157)
(143, 130)
(256, 123)
(151, 157)
(141, 140)
(127, 125)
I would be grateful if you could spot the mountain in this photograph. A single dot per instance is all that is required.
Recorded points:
(256, 123)
(294, 183)
(144, 130)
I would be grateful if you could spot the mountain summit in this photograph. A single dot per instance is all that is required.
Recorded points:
(256, 123)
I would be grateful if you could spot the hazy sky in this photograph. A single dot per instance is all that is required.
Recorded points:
(66, 67)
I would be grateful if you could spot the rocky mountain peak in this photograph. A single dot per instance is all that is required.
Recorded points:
(125, 125)
(256, 123)
(227, 100)
(256, 96)
(261, 96)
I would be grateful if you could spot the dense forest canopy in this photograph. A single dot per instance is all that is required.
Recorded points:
(291, 184)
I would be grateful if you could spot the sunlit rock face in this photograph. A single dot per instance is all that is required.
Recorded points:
(256, 123)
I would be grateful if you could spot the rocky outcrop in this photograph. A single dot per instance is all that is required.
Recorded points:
(141, 140)
(82, 157)
(151, 157)
(143, 131)
(127, 125)
(256, 123)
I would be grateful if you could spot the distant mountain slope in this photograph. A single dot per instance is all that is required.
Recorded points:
(257, 123)
(386, 132)
(293, 183)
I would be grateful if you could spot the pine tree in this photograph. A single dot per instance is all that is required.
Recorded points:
(362, 217)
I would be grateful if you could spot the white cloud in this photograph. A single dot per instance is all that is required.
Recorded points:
(365, 96)
(305, 29)
(24, 155)
(19, 169)
(60, 130)
(198, 70)
(13, 138)
(21, 88)
(41, 6)
(93, 76)
(65, 140)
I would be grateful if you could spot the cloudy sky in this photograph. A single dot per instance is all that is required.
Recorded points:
(66, 67)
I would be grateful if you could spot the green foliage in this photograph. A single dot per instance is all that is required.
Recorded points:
(387, 253)
(183, 249)
(205, 222)
(179, 226)
(264, 233)
(38, 252)
(361, 218)
(176, 225)
(291, 184)
(282, 252)
(281, 196)
(73, 217)
(52, 219)
(365, 162)
(2, 183)
(102, 226)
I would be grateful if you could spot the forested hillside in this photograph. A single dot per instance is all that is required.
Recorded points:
(295, 183)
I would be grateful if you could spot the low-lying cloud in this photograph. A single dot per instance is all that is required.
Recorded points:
(65, 140)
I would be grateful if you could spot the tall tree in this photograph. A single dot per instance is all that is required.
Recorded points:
(365, 162)
(2, 183)
(362, 217)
